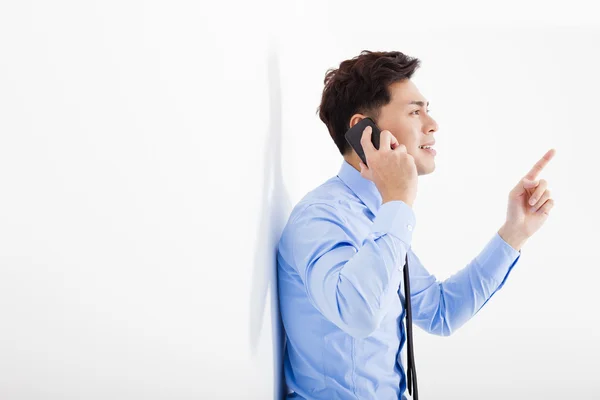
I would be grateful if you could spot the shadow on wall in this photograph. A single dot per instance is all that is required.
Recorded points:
(275, 209)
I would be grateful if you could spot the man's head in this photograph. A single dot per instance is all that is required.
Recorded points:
(378, 85)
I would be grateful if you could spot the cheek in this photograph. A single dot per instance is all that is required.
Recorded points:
(406, 133)
(412, 142)
(412, 145)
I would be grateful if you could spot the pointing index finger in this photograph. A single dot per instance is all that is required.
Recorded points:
(537, 168)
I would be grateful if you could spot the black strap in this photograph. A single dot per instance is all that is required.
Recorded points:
(411, 372)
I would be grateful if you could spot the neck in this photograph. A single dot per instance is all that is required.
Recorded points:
(353, 160)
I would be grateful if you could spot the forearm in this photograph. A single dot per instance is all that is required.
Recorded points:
(352, 283)
(443, 307)
(355, 294)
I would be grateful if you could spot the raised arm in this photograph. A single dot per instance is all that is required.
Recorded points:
(441, 308)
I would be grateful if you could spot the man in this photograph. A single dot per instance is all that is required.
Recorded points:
(342, 253)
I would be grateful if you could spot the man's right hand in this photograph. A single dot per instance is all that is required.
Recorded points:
(391, 168)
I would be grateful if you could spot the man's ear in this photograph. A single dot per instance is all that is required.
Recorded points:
(356, 118)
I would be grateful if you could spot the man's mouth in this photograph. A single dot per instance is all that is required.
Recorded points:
(429, 149)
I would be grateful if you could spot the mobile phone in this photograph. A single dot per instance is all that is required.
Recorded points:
(354, 134)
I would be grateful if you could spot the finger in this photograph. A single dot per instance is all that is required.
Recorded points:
(394, 143)
(527, 184)
(539, 190)
(524, 186)
(537, 168)
(541, 201)
(385, 140)
(401, 148)
(366, 143)
(545, 209)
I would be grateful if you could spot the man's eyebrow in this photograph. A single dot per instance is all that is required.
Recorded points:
(419, 103)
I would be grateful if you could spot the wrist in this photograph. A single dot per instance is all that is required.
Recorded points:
(513, 237)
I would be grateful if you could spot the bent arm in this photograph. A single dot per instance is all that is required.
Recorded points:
(351, 283)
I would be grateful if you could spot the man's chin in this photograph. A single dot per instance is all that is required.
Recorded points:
(426, 169)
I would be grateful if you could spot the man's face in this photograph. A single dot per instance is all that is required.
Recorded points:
(410, 123)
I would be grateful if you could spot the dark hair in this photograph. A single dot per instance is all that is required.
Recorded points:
(361, 85)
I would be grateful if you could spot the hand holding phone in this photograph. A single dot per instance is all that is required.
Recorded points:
(354, 134)
(393, 170)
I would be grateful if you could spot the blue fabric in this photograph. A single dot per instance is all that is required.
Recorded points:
(340, 260)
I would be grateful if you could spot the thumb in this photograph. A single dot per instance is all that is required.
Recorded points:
(524, 186)
(529, 184)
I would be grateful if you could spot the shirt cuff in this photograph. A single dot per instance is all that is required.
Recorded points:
(497, 258)
(396, 218)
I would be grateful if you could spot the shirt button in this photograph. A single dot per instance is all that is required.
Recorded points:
(410, 227)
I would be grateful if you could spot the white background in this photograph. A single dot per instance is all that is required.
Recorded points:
(150, 153)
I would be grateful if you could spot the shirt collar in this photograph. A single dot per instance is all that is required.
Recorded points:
(363, 188)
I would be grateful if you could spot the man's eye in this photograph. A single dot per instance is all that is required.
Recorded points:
(416, 111)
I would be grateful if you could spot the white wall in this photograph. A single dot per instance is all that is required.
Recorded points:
(150, 154)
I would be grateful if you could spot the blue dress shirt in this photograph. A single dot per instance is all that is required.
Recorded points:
(340, 260)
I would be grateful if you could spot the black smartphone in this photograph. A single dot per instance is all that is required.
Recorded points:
(354, 134)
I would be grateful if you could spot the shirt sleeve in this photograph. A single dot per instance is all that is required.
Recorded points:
(350, 280)
(442, 307)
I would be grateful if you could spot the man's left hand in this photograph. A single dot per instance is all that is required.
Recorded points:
(529, 204)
